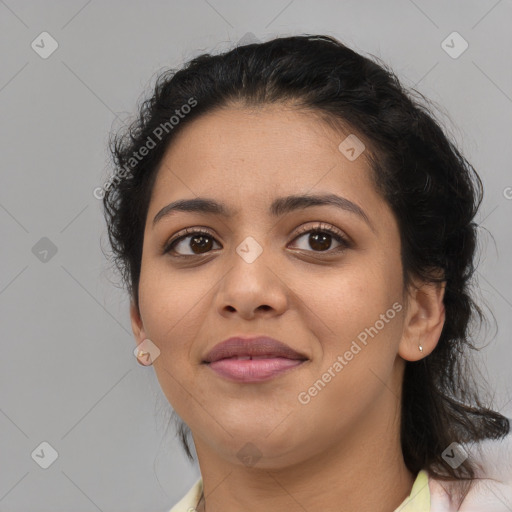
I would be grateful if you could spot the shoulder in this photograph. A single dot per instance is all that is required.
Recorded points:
(190, 499)
(491, 490)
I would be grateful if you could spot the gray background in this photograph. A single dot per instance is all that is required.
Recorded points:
(67, 373)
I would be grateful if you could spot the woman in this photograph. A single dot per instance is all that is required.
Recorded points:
(297, 237)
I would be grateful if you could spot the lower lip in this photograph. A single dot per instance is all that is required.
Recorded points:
(253, 370)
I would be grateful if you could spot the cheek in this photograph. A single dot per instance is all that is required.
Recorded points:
(364, 315)
(356, 295)
(172, 315)
(171, 308)
(361, 307)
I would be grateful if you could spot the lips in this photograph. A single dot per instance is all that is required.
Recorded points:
(252, 360)
(261, 347)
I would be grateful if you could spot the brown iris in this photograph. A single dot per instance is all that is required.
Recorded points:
(320, 241)
(202, 245)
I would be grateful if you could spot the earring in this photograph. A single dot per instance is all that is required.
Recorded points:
(146, 352)
(421, 348)
(140, 355)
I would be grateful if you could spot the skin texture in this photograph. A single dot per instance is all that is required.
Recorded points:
(341, 450)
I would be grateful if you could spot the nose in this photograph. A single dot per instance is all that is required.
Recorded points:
(250, 289)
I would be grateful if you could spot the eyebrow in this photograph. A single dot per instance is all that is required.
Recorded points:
(279, 206)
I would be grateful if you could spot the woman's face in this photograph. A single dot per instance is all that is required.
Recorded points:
(256, 273)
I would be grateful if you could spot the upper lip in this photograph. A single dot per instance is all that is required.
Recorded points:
(254, 346)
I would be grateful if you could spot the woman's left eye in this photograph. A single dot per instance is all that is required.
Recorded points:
(320, 239)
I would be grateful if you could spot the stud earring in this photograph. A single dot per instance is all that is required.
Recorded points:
(421, 348)
(140, 355)
(146, 352)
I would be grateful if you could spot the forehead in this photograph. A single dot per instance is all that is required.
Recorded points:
(247, 157)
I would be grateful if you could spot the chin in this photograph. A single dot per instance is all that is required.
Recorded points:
(262, 448)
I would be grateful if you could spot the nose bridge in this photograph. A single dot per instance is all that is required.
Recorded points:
(251, 260)
(252, 235)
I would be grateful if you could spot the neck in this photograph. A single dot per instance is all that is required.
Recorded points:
(364, 472)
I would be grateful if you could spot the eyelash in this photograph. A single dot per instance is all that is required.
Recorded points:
(320, 228)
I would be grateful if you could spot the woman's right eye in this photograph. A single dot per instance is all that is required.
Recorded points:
(198, 242)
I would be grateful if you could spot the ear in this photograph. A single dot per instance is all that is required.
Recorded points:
(137, 325)
(424, 320)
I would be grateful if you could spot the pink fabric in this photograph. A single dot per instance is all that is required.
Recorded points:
(493, 493)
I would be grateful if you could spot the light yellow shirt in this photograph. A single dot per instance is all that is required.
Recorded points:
(419, 497)
(417, 501)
